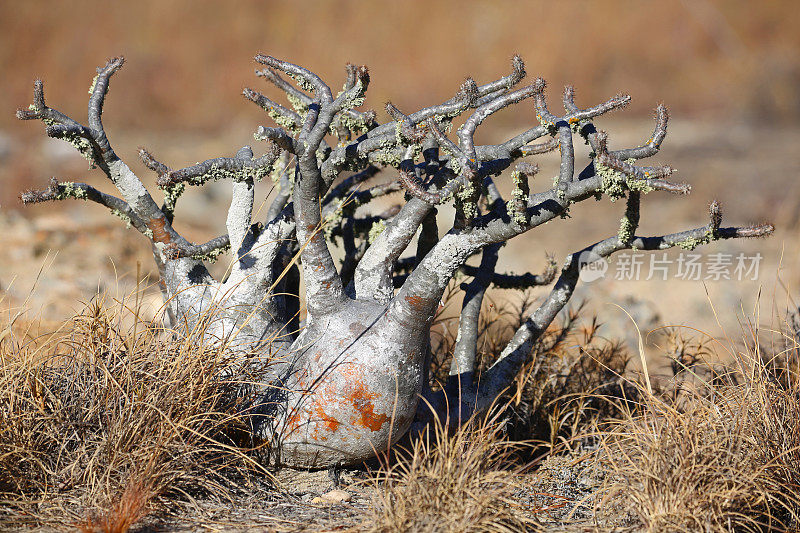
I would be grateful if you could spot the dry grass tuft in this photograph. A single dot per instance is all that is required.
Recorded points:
(106, 421)
(564, 393)
(123, 514)
(722, 455)
(450, 482)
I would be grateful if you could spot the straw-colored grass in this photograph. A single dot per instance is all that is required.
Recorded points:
(722, 454)
(112, 418)
(450, 481)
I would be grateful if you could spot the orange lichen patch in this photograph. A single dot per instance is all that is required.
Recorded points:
(361, 400)
(294, 422)
(359, 395)
(325, 420)
(342, 404)
(158, 226)
(418, 303)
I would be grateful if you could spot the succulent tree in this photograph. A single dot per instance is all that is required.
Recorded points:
(348, 380)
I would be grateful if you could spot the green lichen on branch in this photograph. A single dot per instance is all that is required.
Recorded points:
(81, 144)
(615, 184)
(389, 157)
(692, 243)
(339, 162)
(467, 198)
(345, 121)
(127, 220)
(345, 210)
(282, 120)
(94, 84)
(375, 231)
(519, 198)
(297, 104)
(398, 132)
(171, 195)
(68, 190)
(216, 173)
(355, 98)
(640, 186)
(213, 255)
(630, 220)
(302, 82)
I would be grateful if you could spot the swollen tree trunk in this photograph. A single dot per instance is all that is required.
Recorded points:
(348, 383)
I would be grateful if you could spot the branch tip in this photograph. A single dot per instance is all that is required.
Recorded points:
(517, 70)
(468, 92)
(527, 169)
(715, 216)
(151, 162)
(112, 66)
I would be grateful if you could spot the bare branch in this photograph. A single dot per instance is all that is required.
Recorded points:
(313, 133)
(653, 144)
(307, 79)
(575, 115)
(506, 82)
(541, 148)
(467, 131)
(93, 144)
(345, 187)
(81, 191)
(519, 281)
(648, 176)
(39, 110)
(151, 162)
(282, 116)
(445, 143)
(206, 251)
(280, 138)
(413, 184)
(238, 168)
(98, 96)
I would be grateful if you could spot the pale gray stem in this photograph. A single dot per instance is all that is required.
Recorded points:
(240, 213)
(466, 348)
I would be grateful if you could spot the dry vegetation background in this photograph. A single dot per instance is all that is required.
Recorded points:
(728, 70)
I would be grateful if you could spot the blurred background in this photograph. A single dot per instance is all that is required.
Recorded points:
(729, 72)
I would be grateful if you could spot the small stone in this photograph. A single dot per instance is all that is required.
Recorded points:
(334, 496)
